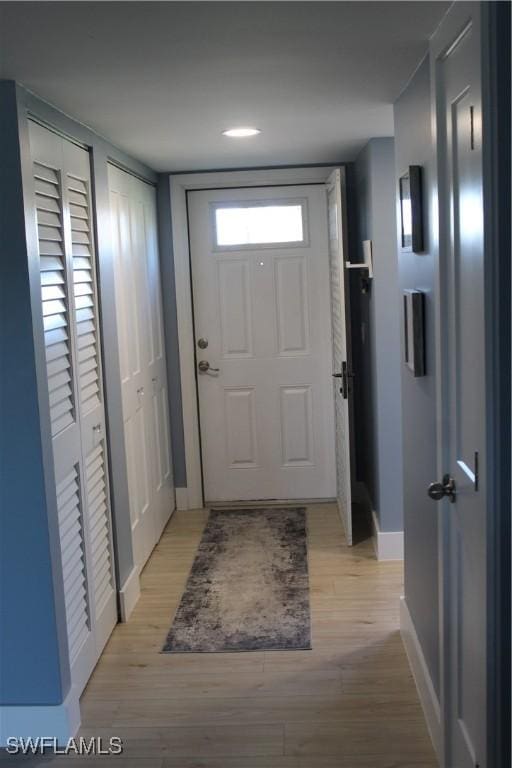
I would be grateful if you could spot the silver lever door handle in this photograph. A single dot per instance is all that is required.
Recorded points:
(204, 366)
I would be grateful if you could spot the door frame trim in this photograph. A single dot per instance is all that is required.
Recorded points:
(192, 497)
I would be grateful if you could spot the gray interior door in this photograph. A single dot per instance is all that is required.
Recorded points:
(463, 389)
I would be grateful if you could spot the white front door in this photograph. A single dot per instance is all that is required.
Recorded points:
(340, 351)
(463, 388)
(260, 277)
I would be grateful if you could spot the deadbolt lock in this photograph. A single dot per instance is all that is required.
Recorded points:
(202, 343)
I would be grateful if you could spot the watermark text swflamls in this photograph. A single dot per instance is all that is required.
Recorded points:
(40, 745)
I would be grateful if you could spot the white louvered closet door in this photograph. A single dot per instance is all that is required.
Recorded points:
(73, 354)
(142, 358)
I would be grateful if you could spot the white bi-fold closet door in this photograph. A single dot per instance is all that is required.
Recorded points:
(142, 358)
(62, 185)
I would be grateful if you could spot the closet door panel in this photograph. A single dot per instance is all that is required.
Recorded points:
(133, 342)
(61, 365)
(145, 409)
(90, 390)
(73, 368)
(162, 476)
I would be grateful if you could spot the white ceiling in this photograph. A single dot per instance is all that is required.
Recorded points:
(162, 80)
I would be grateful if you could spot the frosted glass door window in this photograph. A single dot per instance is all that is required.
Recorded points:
(259, 224)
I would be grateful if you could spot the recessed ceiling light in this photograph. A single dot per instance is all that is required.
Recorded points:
(241, 133)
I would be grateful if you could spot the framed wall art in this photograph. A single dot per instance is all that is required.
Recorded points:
(414, 331)
(411, 209)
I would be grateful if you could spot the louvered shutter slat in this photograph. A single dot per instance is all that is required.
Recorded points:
(54, 307)
(82, 275)
(54, 321)
(48, 218)
(52, 278)
(56, 366)
(88, 365)
(97, 500)
(47, 204)
(81, 262)
(50, 248)
(78, 211)
(84, 288)
(60, 394)
(80, 224)
(49, 233)
(47, 188)
(51, 263)
(53, 294)
(56, 351)
(100, 528)
(90, 378)
(79, 236)
(55, 335)
(73, 560)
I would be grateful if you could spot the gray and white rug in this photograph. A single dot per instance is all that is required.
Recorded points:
(248, 589)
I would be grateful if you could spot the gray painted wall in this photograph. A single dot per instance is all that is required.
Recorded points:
(413, 146)
(378, 341)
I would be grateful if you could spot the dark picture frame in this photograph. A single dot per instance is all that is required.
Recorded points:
(414, 332)
(411, 209)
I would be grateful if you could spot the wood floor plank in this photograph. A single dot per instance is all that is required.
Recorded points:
(350, 702)
(198, 741)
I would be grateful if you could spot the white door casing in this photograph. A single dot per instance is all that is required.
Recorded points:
(267, 415)
(73, 354)
(463, 389)
(142, 358)
(337, 258)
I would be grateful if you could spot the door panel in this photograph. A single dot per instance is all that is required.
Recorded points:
(235, 308)
(341, 351)
(73, 354)
(463, 368)
(142, 359)
(267, 414)
(292, 305)
(296, 425)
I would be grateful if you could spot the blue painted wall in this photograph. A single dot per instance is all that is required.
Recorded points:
(377, 339)
(413, 146)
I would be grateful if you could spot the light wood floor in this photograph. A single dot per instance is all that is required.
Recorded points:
(348, 703)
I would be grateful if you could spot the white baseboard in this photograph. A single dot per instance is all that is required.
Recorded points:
(129, 594)
(181, 498)
(61, 721)
(419, 669)
(389, 545)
